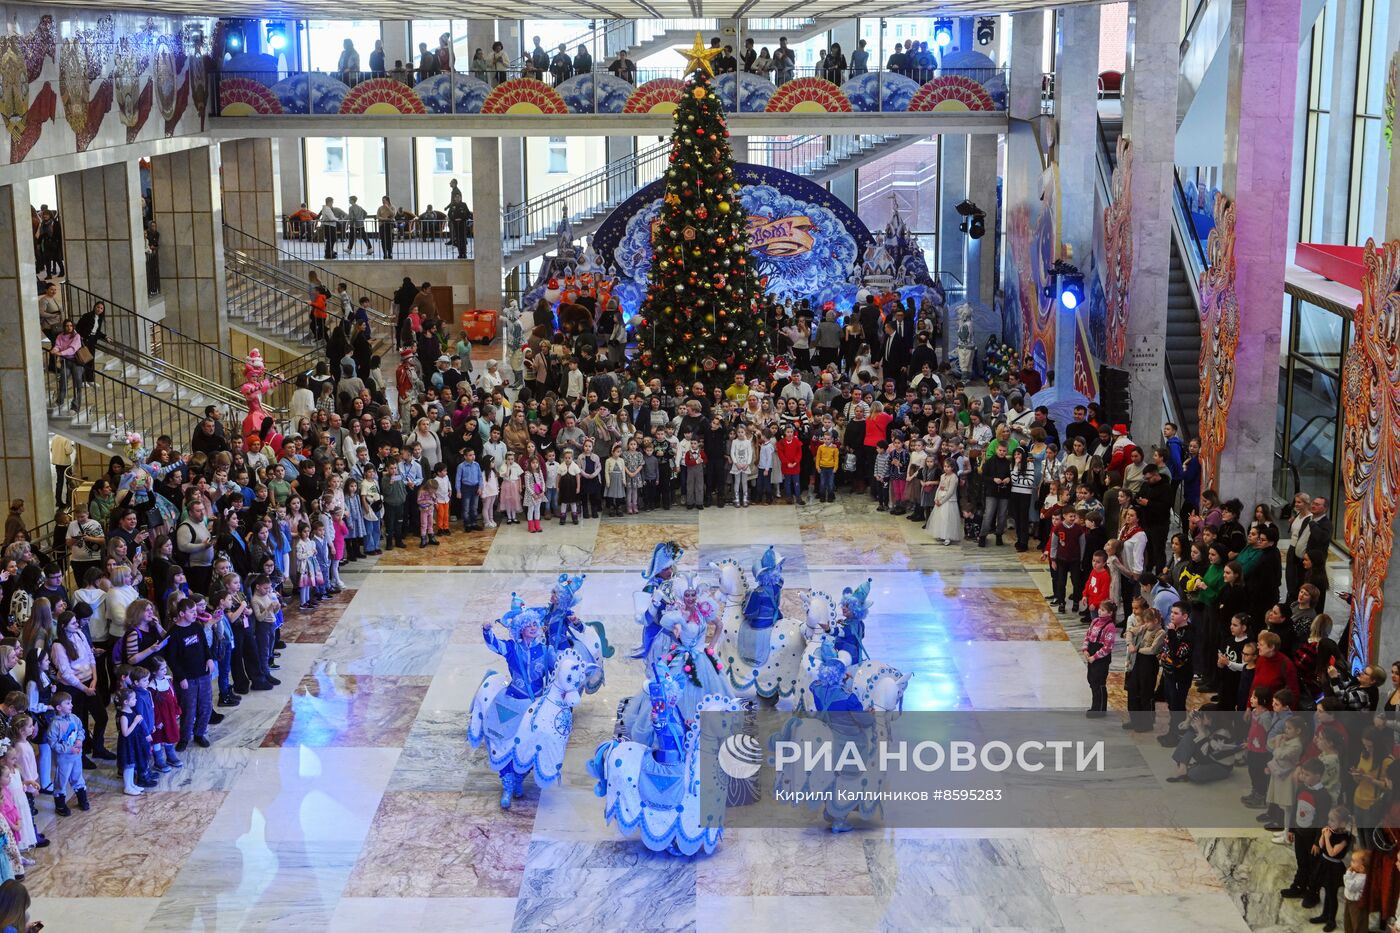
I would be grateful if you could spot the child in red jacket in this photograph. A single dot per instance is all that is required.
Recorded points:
(1098, 587)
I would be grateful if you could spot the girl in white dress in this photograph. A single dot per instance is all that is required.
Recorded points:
(946, 522)
(740, 464)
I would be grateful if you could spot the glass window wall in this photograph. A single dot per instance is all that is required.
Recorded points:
(323, 40)
(339, 166)
(436, 162)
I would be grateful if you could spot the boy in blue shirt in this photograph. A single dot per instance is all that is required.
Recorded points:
(468, 489)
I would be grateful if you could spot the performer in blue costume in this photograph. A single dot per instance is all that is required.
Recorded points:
(762, 607)
(563, 629)
(525, 718)
(656, 593)
(694, 664)
(840, 720)
(850, 633)
(658, 791)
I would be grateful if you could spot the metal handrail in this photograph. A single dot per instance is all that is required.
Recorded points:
(165, 351)
(1191, 25)
(113, 407)
(1183, 217)
(538, 219)
(235, 240)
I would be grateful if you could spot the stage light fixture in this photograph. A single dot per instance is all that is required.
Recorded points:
(943, 32)
(974, 219)
(986, 29)
(276, 37)
(1065, 283)
(233, 39)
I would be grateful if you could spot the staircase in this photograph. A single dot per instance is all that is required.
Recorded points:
(153, 379)
(531, 229)
(266, 289)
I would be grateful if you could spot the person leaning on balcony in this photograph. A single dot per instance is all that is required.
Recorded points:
(385, 216)
(301, 223)
(561, 68)
(376, 59)
(349, 66)
(748, 58)
(784, 61)
(583, 62)
(427, 62)
(898, 62)
(499, 64)
(623, 67)
(481, 69)
(447, 59)
(763, 65)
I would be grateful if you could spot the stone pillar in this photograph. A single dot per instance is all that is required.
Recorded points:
(291, 178)
(622, 180)
(188, 213)
(1150, 125)
(1077, 115)
(1021, 193)
(1027, 53)
(24, 425)
(739, 148)
(398, 150)
(1260, 109)
(102, 240)
(486, 206)
(982, 191)
(251, 199)
(1076, 134)
(952, 189)
(843, 186)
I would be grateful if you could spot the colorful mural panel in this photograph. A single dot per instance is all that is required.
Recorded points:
(1220, 336)
(1371, 444)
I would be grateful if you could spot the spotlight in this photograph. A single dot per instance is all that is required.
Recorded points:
(974, 219)
(233, 39)
(943, 32)
(1066, 283)
(276, 37)
(986, 29)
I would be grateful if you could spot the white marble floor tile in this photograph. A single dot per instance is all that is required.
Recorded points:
(108, 914)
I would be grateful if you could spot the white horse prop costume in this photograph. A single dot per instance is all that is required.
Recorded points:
(782, 677)
(525, 723)
(749, 614)
(658, 792)
(877, 686)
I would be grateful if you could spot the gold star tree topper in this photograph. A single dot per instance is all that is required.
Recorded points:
(698, 58)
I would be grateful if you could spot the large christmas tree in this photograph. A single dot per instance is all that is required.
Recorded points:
(705, 313)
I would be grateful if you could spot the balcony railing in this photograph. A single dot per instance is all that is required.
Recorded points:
(321, 94)
(418, 238)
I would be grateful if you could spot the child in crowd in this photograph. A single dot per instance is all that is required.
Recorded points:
(1333, 851)
(490, 489)
(354, 521)
(395, 498)
(468, 482)
(1098, 587)
(65, 737)
(166, 732)
(632, 465)
(373, 508)
(1285, 748)
(570, 487)
(1097, 652)
(828, 460)
(26, 729)
(266, 609)
(882, 475)
(340, 532)
(320, 538)
(14, 797)
(1256, 747)
(1355, 917)
(146, 706)
(897, 470)
(304, 554)
(442, 500)
(740, 465)
(427, 506)
(651, 475)
(130, 755)
(614, 481)
(767, 460)
(551, 483)
(532, 491)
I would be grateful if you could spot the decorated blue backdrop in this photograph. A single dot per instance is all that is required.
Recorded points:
(804, 239)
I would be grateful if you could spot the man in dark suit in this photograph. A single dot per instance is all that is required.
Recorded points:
(923, 354)
(870, 326)
(895, 355)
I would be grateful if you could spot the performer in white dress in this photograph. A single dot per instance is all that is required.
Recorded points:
(946, 523)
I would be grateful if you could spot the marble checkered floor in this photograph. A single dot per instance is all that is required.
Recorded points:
(348, 799)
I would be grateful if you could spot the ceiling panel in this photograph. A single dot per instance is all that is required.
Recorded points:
(576, 9)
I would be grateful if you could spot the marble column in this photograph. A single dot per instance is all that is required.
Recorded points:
(398, 150)
(1021, 192)
(291, 176)
(486, 206)
(1149, 123)
(622, 180)
(1076, 134)
(982, 191)
(102, 239)
(188, 213)
(24, 425)
(952, 189)
(1260, 110)
(251, 199)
